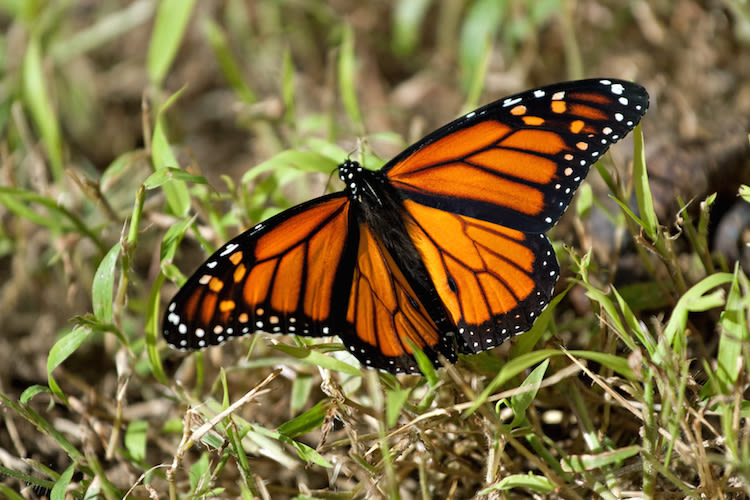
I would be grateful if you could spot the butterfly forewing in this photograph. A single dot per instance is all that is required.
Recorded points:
(286, 275)
(517, 161)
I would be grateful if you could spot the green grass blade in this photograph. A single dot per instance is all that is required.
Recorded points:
(538, 484)
(61, 485)
(734, 334)
(106, 30)
(171, 174)
(649, 222)
(306, 422)
(169, 28)
(36, 97)
(695, 299)
(480, 25)
(512, 368)
(347, 70)
(394, 402)
(305, 161)
(579, 463)
(103, 287)
(178, 197)
(519, 403)
(316, 358)
(55, 219)
(135, 440)
(63, 348)
(227, 61)
(287, 88)
(153, 328)
(407, 20)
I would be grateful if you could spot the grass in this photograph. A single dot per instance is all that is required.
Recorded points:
(643, 394)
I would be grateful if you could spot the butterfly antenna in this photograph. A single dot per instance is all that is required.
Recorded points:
(330, 176)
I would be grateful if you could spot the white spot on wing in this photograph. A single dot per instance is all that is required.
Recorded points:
(511, 102)
(228, 249)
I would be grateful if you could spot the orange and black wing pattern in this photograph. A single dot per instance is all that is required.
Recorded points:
(386, 317)
(494, 281)
(479, 193)
(518, 161)
(289, 274)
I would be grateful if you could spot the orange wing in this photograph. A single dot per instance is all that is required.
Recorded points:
(494, 281)
(285, 275)
(518, 161)
(385, 314)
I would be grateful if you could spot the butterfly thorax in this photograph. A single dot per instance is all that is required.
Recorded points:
(360, 182)
(378, 205)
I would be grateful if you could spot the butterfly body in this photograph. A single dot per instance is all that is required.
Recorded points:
(442, 249)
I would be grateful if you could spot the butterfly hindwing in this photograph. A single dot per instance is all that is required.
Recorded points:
(494, 281)
(518, 161)
(385, 314)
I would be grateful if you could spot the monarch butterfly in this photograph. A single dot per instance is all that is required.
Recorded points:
(442, 249)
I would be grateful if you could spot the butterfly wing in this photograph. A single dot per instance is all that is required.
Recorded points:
(385, 317)
(518, 161)
(285, 275)
(479, 193)
(494, 281)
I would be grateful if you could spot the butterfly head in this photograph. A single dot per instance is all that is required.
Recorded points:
(350, 172)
